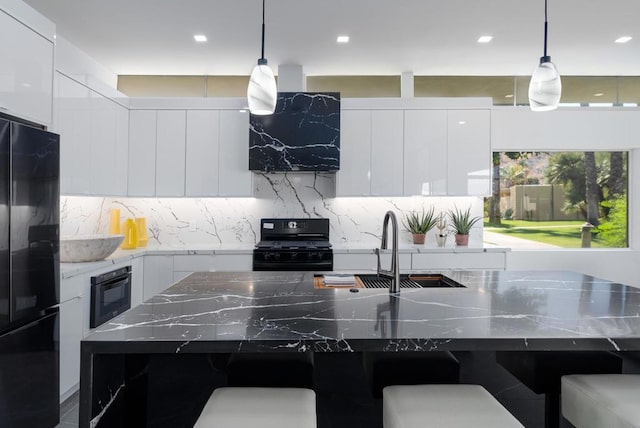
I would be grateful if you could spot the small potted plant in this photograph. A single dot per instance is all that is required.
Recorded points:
(419, 224)
(461, 223)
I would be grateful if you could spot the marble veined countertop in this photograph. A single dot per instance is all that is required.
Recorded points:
(278, 311)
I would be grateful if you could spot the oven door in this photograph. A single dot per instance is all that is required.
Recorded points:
(110, 295)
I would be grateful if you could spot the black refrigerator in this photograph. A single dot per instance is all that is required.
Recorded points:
(29, 276)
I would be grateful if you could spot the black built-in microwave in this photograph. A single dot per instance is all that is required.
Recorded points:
(110, 295)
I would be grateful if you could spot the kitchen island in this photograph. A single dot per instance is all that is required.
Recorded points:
(211, 313)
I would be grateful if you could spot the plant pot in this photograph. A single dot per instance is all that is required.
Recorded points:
(418, 238)
(462, 240)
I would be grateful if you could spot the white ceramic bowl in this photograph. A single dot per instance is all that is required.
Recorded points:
(88, 248)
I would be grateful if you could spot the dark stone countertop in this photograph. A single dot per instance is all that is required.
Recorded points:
(280, 311)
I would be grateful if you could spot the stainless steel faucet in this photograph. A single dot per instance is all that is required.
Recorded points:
(394, 272)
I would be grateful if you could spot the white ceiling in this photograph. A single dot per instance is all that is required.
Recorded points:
(428, 37)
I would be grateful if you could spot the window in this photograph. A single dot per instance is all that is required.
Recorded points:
(558, 199)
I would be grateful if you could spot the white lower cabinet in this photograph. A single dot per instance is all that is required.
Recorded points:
(491, 261)
(183, 265)
(70, 336)
(368, 262)
(75, 313)
(137, 281)
(158, 275)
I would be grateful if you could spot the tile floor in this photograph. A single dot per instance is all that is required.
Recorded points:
(69, 412)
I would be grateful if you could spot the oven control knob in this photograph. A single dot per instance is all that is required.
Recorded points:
(267, 256)
(313, 256)
(276, 256)
(294, 256)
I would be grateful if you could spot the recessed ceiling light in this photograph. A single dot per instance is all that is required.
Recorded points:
(485, 39)
(462, 122)
(509, 96)
(342, 39)
(200, 38)
(623, 39)
(599, 94)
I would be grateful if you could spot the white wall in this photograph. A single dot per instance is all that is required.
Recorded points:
(520, 129)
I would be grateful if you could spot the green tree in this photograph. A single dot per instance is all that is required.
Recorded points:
(494, 201)
(613, 229)
(592, 190)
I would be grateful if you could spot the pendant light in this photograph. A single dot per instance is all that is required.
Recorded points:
(262, 92)
(545, 86)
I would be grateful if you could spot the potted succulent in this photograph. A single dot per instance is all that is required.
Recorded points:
(419, 224)
(461, 223)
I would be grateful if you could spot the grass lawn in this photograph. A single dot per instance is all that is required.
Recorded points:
(565, 234)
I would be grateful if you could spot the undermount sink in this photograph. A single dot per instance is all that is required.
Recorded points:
(435, 280)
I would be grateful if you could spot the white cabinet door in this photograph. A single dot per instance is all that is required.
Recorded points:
(137, 281)
(74, 127)
(70, 336)
(354, 176)
(367, 263)
(103, 143)
(170, 152)
(436, 261)
(118, 186)
(233, 262)
(203, 128)
(234, 175)
(469, 153)
(387, 136)
(158, 275)
(425, 152)
(142, 153)
(26, 71)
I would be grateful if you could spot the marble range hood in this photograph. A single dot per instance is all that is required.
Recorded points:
(303, 134)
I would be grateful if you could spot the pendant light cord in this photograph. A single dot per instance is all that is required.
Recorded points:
(545, 28)
(263, 1)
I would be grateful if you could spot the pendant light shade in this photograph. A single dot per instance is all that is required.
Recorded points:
(545, 87)
(262, 92)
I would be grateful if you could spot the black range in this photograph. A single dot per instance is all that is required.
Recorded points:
(293, 244)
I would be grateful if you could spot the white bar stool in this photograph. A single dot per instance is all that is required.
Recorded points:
(259, 408)
(450, 406)
(605, 400)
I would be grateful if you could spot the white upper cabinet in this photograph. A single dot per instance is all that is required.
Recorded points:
(353, 178)
(370, 153)
(469, 152)
(103, 144)
(74, 126)
(94, 139)
(120, 171)
(142, 153)
(170, 152)
(387, 136)
(26, 71)
(203, 131)
(233, 173)
(425, 152)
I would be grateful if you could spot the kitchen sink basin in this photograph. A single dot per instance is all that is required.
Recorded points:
(435, 280)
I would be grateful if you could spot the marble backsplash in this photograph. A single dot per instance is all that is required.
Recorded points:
(213, 221)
